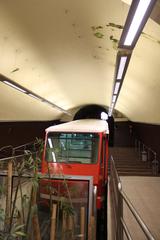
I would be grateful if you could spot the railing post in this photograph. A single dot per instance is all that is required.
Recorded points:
(143, 147)
(139, 149)
(135, 145)
(119, 234)
(120, 224)
(155, 165)
(148, 156)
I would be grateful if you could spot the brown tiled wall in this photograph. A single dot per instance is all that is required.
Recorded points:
(17, 133)
(149, 134)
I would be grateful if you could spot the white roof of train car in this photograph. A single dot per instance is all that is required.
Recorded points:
(84, 125)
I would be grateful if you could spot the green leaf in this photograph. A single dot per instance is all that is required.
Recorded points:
(20, 234)
(99, 35)
(115, 25)
(19, 227)
(99, 27)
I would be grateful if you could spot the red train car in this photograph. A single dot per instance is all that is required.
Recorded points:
(79, 148)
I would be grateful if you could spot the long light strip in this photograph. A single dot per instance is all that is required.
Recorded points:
(136, 22)
(122, 64)
(134, 27)
(14, 86)
(30, 93)
(114, 98)
(117, 85)
(110, 112)
(112, 105)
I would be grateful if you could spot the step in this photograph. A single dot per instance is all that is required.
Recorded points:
(134, 174)
(129, 163)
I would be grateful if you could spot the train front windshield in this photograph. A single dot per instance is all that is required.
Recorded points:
(72, 148)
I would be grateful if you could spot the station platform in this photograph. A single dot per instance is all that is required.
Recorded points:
(144, 194)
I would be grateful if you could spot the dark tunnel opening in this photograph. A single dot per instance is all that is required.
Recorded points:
(94, 111)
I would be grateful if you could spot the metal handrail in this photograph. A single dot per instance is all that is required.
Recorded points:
(144, 146)
(17, 156)
(118, 199)
(154, 161)
(126, 230)
(19, 146)
(26, 144)
(18, 151)
(139, 220)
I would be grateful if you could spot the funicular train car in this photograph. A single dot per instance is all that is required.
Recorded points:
(78, 151)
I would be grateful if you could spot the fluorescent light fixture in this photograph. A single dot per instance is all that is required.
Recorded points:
(50, 143)
(112, 105)
(31, 95)
(122, 64)
(136, 22)
(110, 112)
(22, 89)
(117, 85)
(14, 86)
(114, 98)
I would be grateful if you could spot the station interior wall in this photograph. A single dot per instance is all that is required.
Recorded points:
(122, 137)
(17, 133)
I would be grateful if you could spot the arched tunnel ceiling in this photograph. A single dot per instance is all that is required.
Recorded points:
(65, 51)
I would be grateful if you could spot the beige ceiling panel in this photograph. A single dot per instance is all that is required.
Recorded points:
(65, 51)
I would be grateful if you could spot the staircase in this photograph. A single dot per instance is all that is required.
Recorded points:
(128, 163)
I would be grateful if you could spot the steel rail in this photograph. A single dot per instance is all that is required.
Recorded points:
(126, 230)
(139, 220)
(122, 227)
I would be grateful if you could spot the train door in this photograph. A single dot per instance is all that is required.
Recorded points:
(102, 212)
(104, 159)
(105, 156)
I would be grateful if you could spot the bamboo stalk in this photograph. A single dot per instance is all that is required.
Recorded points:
(70, 226)
(35, 221)
(92, 230)
(64, 226)
(22, 207)
(14, 204)
(53, 222)
(82, 223)
(29, 211)
(36, 228)
(8, 193)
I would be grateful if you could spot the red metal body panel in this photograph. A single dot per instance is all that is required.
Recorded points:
(74, 169)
